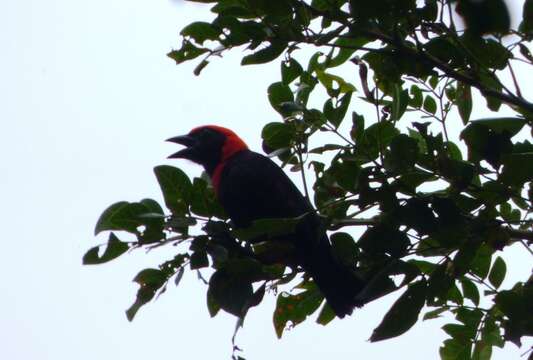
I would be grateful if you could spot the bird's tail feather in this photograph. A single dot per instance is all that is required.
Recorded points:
(339, 284)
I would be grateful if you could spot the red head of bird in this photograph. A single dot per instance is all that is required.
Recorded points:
(210, 146)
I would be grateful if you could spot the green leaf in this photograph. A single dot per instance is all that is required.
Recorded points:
(306, 86)
(486, 143)
(433, 314)
(500, 125)
(439, 284)
(279, 93)
(459, 332)
(515, 304)
(204, 201)
(376, 137)
(270, 228)
(471, 318)
(327, 147)
(272, 251)
(485, 17)
(346, 47)
(114, 249)
(411, 179)
(278, 135)
(326, 315)
(490, 81)
(422, 145)
(454, 295)
(430, 10)
(491, 333)
(232, 9)
(403, 153)
(231, 293)
(454, 349)
(400, 101)
(517, 169)
(481, 263)
(105, 220)
(277, 10)
(247, 269)
(459, 173)
(187, 52)
(424, 266)
(150, 281)
(497, 272)
(524, 50)
(344, 248)
(154, 221)
(446, 50)
(430, 105)
(453, 151)
(201, 31)
(417, 97)
(295, 308)
(403, 314)
(176, 188)
(358, 127)
(290, 70)
(199, 260)
(212, 306)
(258, 296)
(433, 81)
(383, 239)
(151, 277)
(122, 216)
(464, 101)
(179, 275)
(526, 26)
(345, 173)
(470, 290)
(482, 350)
(265, 55)
(334, 84)
(462, 261)
(335, 113)
(200, 198)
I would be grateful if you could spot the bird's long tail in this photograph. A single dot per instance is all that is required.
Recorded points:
(339, 284)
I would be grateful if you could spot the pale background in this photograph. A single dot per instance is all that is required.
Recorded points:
(87, 98)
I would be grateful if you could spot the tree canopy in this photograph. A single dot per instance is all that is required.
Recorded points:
(388, 80)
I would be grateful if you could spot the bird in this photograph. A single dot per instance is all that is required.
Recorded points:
(250, 186)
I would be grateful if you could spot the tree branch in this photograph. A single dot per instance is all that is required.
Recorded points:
(337, 224)
(520, 235)
(506, 98)
(514, 234)
(344, 19)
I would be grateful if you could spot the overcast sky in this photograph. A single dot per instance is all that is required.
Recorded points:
(87, 98)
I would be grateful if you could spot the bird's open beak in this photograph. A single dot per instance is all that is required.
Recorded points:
(185, 140)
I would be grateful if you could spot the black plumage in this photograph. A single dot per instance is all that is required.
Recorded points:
(250, 187)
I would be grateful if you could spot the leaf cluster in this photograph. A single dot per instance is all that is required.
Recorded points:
(437, 209)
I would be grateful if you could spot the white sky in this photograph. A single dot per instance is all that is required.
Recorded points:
(87, 98)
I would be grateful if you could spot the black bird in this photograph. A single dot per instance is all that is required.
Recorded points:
(250, 186)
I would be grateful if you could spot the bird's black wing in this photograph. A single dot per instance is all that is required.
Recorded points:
(253, 187)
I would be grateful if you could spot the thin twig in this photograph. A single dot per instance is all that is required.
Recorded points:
(517, 87)
(302, 172)
(337, 224)
(526, 246)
